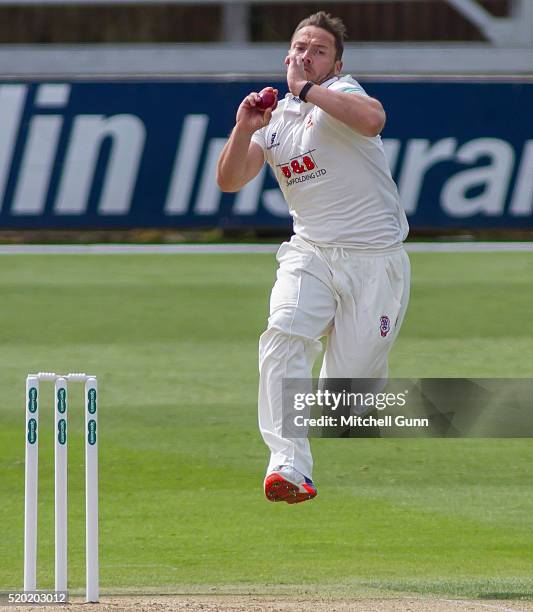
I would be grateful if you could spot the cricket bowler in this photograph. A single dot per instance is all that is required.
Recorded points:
(344, 274)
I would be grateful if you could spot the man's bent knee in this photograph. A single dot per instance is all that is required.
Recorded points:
(293, 321)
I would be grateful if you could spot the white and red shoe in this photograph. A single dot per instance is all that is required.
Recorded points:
(284, 483)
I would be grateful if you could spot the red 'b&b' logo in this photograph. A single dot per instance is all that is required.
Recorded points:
(298, 165)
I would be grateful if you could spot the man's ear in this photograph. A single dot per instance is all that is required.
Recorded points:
(337, 67)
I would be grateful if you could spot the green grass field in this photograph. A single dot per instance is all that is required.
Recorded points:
(173, 341)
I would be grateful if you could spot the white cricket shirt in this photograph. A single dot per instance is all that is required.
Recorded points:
(336, 182)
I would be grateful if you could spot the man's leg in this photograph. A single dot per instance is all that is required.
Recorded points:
(369, 317)
(302, 307)
(367, 322)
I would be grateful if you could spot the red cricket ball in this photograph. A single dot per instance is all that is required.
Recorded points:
(268, 100)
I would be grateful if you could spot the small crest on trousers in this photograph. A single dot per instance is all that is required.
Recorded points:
(384, 325)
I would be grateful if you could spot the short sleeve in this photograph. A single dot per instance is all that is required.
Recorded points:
(259, 138)
(348, 85)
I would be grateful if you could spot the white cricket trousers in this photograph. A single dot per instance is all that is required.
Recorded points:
(355, 298)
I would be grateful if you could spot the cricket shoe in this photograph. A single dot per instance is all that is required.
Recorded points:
(284, 483)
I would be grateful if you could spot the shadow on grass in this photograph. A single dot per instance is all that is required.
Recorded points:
(511, 589)
(506, 595)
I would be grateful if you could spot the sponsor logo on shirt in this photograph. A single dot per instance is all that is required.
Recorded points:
(272, 141)
(301, 168)
(352, 90)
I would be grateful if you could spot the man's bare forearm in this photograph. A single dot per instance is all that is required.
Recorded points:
(361, 113)
(231, 167)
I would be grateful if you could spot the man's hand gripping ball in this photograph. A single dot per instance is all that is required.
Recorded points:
(255, 111)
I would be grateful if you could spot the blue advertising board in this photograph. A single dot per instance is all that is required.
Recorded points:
(143, 154)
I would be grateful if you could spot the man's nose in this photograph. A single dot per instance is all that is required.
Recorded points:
(306, 57)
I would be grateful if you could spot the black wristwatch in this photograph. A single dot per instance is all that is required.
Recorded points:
(305, 90)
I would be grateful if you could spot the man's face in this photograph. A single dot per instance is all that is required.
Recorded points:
(317, 50)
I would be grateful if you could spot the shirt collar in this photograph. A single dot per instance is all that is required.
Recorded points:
(329, 81)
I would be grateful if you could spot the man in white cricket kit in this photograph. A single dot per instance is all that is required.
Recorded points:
(344, 274)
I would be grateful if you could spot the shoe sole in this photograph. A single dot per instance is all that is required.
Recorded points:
(278, 489)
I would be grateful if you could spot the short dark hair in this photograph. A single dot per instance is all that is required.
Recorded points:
(333, 25)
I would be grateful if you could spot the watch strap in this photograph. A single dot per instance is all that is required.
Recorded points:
(305, 90)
